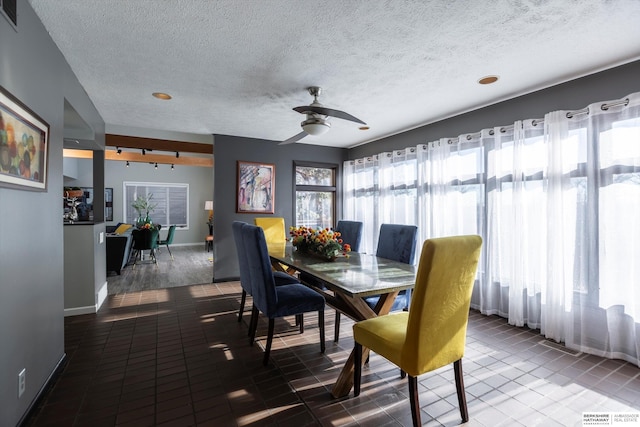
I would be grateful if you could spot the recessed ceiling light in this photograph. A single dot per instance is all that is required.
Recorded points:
(364, 128)
(161, 95)
(487, 80)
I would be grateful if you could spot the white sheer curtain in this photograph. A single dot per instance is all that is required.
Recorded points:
(516, 157)
(360, 195)
(381, 189)
(591, 299)
(558, 207)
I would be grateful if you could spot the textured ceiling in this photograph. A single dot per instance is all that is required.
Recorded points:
(238, 67)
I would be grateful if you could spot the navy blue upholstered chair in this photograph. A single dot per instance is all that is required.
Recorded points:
(275, 301)
(280, 277)
(351, 233)
(398, 243)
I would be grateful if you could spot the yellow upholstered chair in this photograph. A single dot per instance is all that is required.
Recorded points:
(273, 227)
(274, 232)
(433, 332)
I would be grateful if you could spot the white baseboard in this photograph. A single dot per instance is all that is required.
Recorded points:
(77, 311)
(100, 298)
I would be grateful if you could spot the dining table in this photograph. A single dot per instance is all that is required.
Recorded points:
(344, 282)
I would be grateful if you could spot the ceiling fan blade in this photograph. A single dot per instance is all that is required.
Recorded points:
(294, 138)
(313, 109)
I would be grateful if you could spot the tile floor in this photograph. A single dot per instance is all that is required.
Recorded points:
(178, 357)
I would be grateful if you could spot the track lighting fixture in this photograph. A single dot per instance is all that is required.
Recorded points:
(171, 166)
(119, 150)
(177, 155)
(156, 166)
(144, 151)
(127, 163)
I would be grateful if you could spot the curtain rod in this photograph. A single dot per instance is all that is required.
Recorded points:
(603, 107)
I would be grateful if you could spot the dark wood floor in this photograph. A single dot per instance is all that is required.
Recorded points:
(179, 357)
(191, 265)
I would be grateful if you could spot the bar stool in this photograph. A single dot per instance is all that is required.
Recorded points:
(208, 242)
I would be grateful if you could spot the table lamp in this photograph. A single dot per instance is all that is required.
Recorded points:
(208, 206)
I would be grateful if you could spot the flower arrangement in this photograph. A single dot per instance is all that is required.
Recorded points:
(323, 242)
(143, 207)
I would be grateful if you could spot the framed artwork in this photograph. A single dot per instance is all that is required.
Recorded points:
(108, 204)
(255, 187)
(24, 145)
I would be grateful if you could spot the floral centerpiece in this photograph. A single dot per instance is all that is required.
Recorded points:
(143, 207)
(325, 242)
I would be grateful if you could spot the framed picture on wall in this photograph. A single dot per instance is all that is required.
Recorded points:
(255, 188)
(24, 145)
(108, 204)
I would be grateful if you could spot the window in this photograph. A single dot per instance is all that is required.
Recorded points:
(315, 195)
(171, 200)
(10, 10)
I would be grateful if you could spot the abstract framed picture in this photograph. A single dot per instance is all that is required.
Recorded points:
(24, 145)
(255, 190)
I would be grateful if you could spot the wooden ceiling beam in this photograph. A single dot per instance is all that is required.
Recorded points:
(124, 141)
(158, 158)
(206, 162)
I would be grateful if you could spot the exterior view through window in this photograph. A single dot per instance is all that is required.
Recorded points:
(171, 202)
(315, 195)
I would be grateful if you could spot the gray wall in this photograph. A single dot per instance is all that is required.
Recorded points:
(228, 150)
(573, 95)
(200, 190)
(31, 230)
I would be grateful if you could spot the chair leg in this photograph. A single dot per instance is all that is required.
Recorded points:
(267, 348)
(300, 318)
(413, 400)
(462, 399)
(321, 325)
(170, 254)
(253, 324)
(336, 328)
(357, 368)
(242, 302)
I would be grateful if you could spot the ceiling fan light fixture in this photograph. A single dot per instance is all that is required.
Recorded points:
(315, 126)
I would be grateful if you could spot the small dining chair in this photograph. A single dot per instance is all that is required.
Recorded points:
(398, 243)
(274, 231)
(280, 278)
(432, 333)
(145, 239)
(169, 240)
(351, 233)
(275, 301)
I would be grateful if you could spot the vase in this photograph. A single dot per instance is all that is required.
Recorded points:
(142, 220)
(307, 251)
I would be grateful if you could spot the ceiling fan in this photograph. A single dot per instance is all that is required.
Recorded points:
(317, 117)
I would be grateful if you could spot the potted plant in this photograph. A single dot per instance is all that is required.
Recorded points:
(144, 206)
